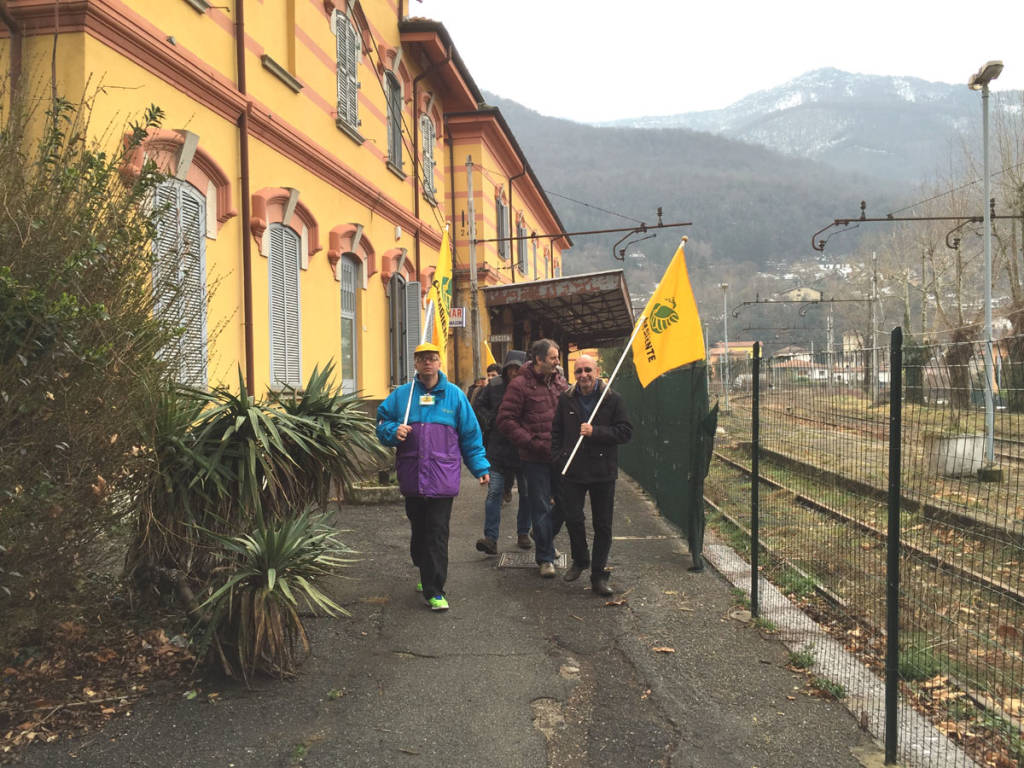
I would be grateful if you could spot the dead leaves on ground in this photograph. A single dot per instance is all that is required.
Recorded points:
(83, 678)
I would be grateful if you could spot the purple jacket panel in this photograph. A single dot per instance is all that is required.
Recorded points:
(428, 461)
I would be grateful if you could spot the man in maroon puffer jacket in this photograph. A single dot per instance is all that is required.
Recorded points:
(525, 417)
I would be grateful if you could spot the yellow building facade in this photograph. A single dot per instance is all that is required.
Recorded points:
(315, 150)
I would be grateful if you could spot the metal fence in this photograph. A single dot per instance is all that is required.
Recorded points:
(886, 506)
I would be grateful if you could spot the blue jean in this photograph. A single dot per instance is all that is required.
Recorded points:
(495, 498)
(541, 484)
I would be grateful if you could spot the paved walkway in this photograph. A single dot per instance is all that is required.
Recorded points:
(522, 671)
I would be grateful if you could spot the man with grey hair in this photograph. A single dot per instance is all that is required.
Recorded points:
(524, 417)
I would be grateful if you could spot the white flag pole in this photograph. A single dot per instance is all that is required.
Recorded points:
(423, 340)
(604, 390)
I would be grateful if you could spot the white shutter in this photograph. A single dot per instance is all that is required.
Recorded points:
(193, 287)
(278, 344)
(349, 340)
(293, 337)
(166, 246)
(412, 325)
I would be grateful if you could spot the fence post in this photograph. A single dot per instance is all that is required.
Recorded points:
(755, 478)
(892, 571)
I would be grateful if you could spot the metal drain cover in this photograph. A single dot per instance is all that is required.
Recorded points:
(526, 560)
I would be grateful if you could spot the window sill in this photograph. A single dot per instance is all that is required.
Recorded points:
(396, 170)
(280, 73)
(200, 6)
(429, 197)
(349, 130)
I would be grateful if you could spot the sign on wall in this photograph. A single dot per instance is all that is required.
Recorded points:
(457, 318)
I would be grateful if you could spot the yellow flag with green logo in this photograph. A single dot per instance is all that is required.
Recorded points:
(440, 297)
(670, 333)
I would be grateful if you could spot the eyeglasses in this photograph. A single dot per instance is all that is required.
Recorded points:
(430, 359)
(578, 371)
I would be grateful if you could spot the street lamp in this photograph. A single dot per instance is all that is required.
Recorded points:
(725, 333)
(979, 82)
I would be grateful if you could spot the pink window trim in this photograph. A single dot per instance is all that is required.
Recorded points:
(268, 208)
(339, 241)
(163, 146)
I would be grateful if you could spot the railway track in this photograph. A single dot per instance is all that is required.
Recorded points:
(933, 558)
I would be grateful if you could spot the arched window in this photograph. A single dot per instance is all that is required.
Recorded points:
(284, 259)
(349, 322)
(348, 52)
(429, 134)
(501, 226)
(394, 97)
(179, 276)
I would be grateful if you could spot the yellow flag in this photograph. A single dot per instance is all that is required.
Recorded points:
(440, 296)
(489, 355)
(670, 333)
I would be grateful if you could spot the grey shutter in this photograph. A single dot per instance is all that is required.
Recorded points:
(499, 215)
(193, 287)
(394, 97)
(521, 248)
(347, 52)
(429, 138)
(412, 325)
(166, 246)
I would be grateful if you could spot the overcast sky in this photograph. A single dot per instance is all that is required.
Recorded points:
(593, 60)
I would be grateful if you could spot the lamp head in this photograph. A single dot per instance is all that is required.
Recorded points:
(989, 72)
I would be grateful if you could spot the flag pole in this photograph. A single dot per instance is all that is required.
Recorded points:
(604, 390)
(423, 340)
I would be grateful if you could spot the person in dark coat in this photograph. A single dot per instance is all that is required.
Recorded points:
(594, 468)
(504, 458)
(524, 417)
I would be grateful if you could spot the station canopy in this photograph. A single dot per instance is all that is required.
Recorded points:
(591, 310)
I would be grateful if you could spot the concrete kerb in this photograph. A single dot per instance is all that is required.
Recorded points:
(865, 692)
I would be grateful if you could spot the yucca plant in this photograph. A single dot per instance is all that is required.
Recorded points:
(341, 443)
(254, 623)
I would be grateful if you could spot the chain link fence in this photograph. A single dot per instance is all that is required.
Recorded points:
(833, 521)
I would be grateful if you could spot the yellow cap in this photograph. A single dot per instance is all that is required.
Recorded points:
(427, 347)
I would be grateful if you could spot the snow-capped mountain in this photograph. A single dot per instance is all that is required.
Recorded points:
(895, 127)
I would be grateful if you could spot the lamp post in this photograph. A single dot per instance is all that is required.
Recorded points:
(725, 333)
(979, 82)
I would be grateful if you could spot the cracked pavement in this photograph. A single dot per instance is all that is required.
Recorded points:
(522, 671)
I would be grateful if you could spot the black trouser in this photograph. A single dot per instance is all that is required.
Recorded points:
(602, 502)
(429, 520)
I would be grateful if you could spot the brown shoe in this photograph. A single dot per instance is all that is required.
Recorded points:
(487, 546)
(524, 541)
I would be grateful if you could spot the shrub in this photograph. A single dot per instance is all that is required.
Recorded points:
(254, 624)
(78, 339)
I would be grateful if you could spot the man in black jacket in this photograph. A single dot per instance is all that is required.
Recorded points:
(593, 469)
(504, 459)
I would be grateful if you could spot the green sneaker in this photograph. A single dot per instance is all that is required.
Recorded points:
(419, 586)
(438, 603)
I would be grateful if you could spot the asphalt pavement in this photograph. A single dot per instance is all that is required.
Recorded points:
(522, 671)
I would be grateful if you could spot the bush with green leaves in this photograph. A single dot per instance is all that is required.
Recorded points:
(226, 462)
(254, 623)
(79, 340)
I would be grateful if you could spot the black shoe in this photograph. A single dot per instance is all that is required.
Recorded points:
(487, 546)
(600, 586)
(573, 572)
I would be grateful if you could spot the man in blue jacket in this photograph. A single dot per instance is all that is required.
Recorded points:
(439, 429)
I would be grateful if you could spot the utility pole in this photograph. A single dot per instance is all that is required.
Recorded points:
(872, 383)
(474, 307)
(725, 333)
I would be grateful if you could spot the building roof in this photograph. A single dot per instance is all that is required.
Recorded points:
(590, 310)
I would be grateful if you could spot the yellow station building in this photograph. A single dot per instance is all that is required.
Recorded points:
(315, 151)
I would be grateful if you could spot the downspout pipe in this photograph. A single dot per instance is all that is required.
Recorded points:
(243, 148)
(416, 149)
(14, 27)
(451, 179)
